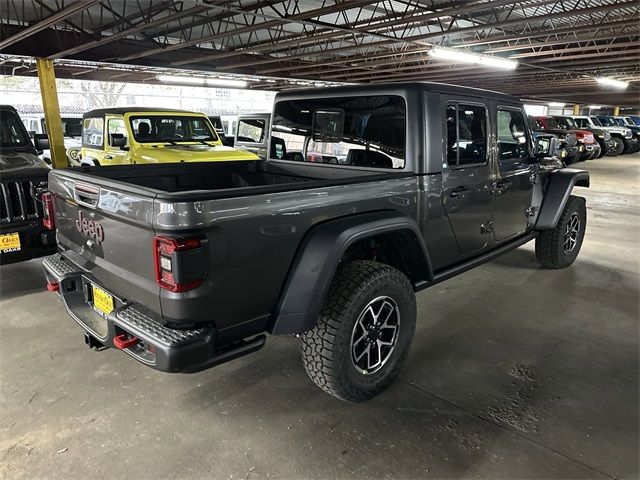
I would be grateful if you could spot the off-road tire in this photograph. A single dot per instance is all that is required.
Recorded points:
(618, 147)
(326, 349)
(550, 244)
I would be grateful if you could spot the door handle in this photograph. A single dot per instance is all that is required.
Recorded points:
(108, 157)
(459, 192)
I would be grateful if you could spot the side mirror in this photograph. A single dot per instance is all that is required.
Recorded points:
(546, 146)
(117, 140)
(41, 142)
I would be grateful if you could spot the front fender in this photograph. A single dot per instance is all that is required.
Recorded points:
(318, 258)
(557, 193)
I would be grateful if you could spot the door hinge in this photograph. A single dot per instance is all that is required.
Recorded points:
(531, 211)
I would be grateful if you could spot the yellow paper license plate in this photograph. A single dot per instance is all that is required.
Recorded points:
(102, 300)
(9, 242)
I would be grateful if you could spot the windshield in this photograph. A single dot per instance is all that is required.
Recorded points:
(596, 122)
(171, 129)
(551, 123)
(366, 131)
(607, 121)
(620, 121)
(565, 122)
(12, 131)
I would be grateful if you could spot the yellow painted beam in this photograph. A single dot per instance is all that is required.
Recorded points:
(576, 109)
(49, 93)
(616, 111)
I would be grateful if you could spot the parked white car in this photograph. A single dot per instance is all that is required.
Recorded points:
(71, 128)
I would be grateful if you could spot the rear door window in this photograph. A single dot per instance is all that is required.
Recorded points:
(466, 135)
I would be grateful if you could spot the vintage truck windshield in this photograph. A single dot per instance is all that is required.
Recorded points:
(367, 131)
(12, 132)
(171, 128)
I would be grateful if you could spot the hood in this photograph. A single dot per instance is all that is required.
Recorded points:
(624, 131)
(192, 153)
(15, 161)
(73, 142)
(584, 135)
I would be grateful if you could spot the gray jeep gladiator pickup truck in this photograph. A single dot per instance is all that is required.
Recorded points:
(187, 266)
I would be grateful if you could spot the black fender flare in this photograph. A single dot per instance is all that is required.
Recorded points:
(317, 260)
(557, 193)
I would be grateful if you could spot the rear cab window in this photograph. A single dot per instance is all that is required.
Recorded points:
(367, 131)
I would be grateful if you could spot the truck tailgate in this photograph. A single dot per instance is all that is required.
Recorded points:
(108, 232)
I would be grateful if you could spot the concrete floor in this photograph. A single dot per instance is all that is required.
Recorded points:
(515, 372)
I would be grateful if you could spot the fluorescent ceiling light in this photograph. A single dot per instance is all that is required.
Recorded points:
(181, 79)
(556, 104)
(594, 107)
(610, 82)
(221, 82)
(466, 57)
(201, 81)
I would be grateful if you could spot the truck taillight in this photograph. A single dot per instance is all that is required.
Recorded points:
(180, 263)
(49, 219)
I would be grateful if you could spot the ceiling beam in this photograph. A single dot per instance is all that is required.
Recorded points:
(63, 14)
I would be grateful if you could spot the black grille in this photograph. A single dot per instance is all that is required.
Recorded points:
(18, 201)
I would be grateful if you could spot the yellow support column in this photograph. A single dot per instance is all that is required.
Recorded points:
(49, 92)
(576, 109)
(616, 111)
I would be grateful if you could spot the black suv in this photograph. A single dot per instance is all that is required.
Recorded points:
(26, 229)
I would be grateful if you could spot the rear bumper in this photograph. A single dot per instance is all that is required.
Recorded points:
(135, 330)
(35, 242)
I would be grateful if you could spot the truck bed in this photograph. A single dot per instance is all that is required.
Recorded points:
(183, 181)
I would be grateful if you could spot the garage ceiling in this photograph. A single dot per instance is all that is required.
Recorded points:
(561, 45)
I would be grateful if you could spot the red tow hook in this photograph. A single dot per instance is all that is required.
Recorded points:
(53, 287)
(121, 342)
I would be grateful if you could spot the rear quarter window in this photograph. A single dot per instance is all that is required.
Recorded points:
(93, 132)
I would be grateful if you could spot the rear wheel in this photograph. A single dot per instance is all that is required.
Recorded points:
(618, 146)
(364, 331)
(559, 247)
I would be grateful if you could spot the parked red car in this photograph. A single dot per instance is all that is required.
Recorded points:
(587, 144)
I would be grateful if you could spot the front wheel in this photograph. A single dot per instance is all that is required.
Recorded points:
(618, 146)
(364, 331)
(559, 247)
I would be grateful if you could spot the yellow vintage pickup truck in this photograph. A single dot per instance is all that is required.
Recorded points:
(130, 135)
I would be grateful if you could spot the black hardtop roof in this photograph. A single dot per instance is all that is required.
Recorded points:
(400, 87)
(8, 107)
(101, 112)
